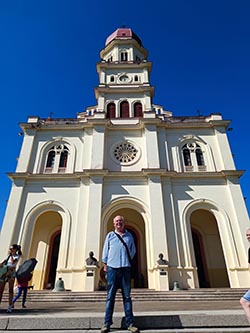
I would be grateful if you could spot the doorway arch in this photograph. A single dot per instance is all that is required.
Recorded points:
(208, 250)
(44, 245)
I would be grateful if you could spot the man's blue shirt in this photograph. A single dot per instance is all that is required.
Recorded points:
(114, 253)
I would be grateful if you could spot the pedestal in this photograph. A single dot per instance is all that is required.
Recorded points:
(91, 277)
(162, 277)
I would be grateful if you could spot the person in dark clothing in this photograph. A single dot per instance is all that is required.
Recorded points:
(22, 288)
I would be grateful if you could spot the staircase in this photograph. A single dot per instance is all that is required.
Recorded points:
(138, 295)
(182, 311)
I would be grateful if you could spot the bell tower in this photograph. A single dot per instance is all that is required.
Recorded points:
(124, 89)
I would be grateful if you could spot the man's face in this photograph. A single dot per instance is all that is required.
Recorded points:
(248, 235)
(119, 223)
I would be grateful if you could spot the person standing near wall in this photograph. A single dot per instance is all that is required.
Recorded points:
(11, 262)
(118, 252)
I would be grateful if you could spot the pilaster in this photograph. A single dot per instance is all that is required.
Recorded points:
(151, 146)
(26, 151)
(227, 158)
(93, 228)
(97, 156)
(11, 228)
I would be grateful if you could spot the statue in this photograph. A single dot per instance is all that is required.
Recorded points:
(162, 261)
(91, 260)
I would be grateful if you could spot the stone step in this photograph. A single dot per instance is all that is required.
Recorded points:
(137, 295)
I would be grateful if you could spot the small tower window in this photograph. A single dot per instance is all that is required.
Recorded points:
(112, 78)
(136, 78)
(111, 110)
(124, 56)
(138, 109)
(124, 109)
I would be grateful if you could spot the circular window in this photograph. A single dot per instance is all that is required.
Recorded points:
(125, 153)
(124, 78)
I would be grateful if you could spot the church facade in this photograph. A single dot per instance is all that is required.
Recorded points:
(172, 178)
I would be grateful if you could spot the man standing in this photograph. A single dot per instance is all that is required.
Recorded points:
(118, 251)
(245, 299)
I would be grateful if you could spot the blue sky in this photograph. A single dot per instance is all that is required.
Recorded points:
(200, 52)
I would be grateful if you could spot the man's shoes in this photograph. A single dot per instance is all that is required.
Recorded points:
(133, 329)
(24, 306)
(105, 329)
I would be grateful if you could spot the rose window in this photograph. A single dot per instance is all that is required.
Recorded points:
(125, 152)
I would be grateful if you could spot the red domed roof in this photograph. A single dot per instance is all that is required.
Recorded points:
(123, 33)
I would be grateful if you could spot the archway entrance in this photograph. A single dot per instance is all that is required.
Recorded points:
(208, 251)
(45, 248)
(135, 225)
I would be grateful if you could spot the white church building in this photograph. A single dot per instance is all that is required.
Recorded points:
(173, 178)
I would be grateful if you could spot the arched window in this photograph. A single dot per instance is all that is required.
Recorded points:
(124, 109)
(193, 157)
(57, 159)
(199, 156)
(186, 156)
(138, 109)
(63, 159)
(51, 159)
(112, 78)
(111, 110)
(136, 78)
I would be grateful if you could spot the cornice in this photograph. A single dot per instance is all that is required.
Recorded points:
(120, 123)
(124, 88)
(143, 173)
(119, 42)
(124, 65)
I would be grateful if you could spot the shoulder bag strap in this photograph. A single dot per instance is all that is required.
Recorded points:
(126, 247)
